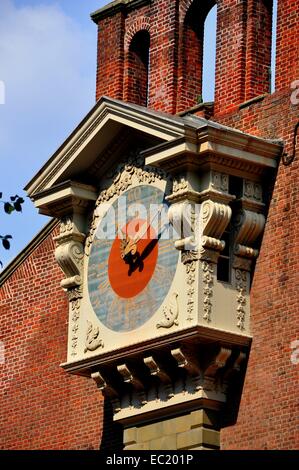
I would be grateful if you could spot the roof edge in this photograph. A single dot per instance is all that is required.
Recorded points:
(27, 251)
(114, 7)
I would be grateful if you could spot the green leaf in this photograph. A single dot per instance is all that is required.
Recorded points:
(5, 244)
(8, 208)
(18, 206)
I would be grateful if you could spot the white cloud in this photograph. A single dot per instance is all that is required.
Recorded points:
(44, 62)
(47, 63)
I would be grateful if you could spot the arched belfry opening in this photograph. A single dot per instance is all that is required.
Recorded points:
(192, 53)
(259, 64)
(209, 55)
(137, 69)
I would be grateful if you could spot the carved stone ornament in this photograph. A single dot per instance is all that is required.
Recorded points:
(66, 225)
(190, 278)
(169, 381)
(241, 286)
(252, 190)
(188, 256)
(74, 317)
(219, 181)
(131, 378)
(218, 362)
(75, 295)
(215, 217)
(93, 340)
(69, 253)
(179, 185)
(156, 370)
(248, 226)
(123, 176)
(170, 313)
(208, 280)
(186, 361)
(108, 390)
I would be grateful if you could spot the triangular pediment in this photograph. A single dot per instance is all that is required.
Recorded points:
(109, 128)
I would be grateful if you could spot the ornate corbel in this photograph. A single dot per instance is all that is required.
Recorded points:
(108, 390)
(70, 252)
(217, 362)
(156, 370)
(131, 378)
(214, 218)
(186, 361)
(235, 366)
(248, 226)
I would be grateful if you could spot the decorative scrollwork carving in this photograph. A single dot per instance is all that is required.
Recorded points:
(179, 185)
(123, 177)
(208, 271)
(252, 190)
(93, 341)
(156, 370)
(69, 256)
(170, 313)
(190, 272)
(215, 218)
(188, 256)
(66, 225)
(74, 317)
(219, 181)
(241, 286)
(248, 226)
(186, 361)
(75, 293)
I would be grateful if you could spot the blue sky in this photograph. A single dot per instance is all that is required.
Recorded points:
(47, 63)
(48, 68)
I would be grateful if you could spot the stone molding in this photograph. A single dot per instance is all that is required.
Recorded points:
(145, 386)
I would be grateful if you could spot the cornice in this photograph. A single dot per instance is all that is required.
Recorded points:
(114, 7)
(27, 251)
(198, 333)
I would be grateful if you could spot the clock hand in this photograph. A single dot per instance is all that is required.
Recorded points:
(151, 245)
(127, 245)
(145, 226)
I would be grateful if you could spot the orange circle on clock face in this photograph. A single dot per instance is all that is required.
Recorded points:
(130, 274)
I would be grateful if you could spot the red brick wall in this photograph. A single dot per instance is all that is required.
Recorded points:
(137, 68)
(268, 415)
(259, 37)
(41, 406)
(110, 62)
(287, 63)
(176, 36)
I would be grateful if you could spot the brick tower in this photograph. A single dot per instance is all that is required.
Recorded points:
(150, 54)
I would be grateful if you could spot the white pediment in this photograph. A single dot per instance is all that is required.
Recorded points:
(95, 133)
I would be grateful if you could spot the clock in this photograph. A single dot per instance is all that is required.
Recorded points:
(132, 260)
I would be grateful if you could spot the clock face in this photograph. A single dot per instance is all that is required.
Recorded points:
(132, 260)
